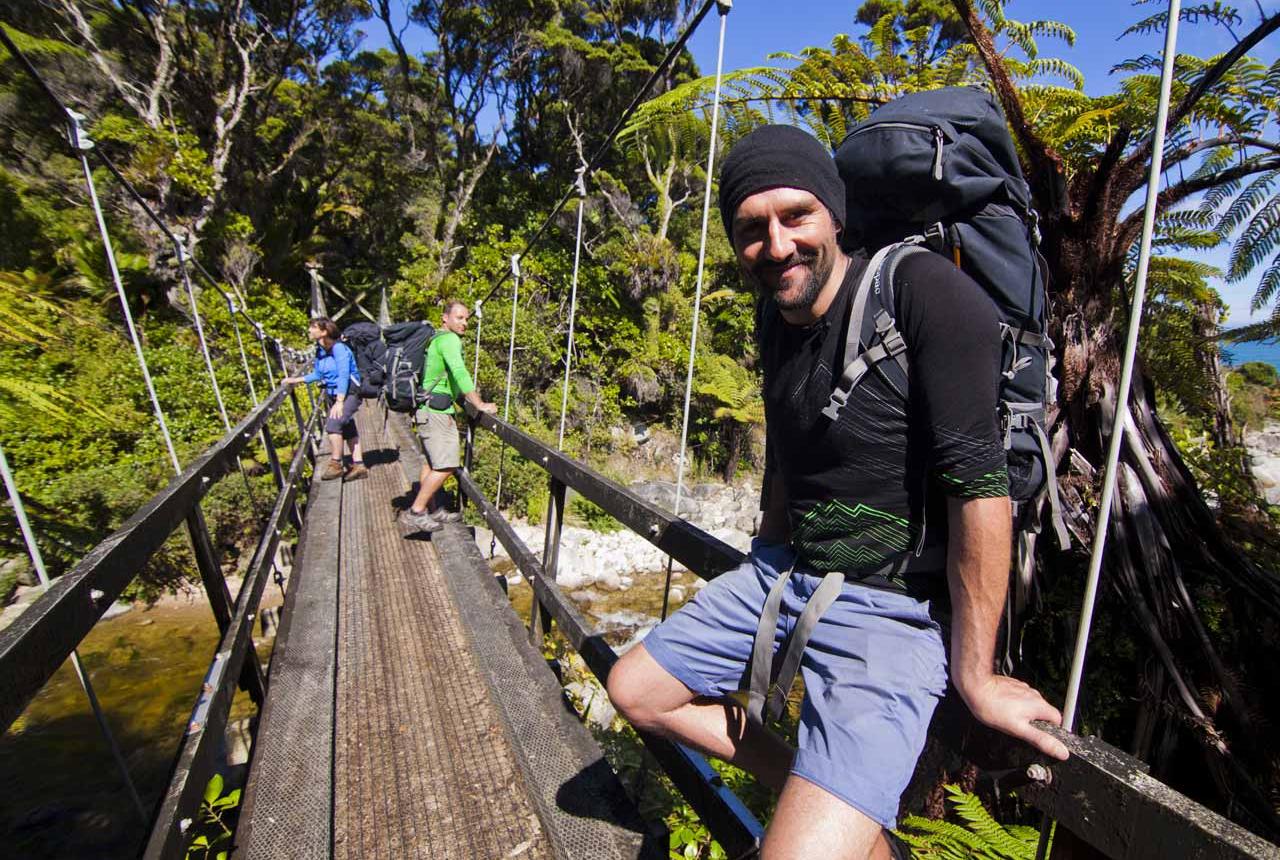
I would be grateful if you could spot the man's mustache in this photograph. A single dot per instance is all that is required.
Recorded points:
(804, 258)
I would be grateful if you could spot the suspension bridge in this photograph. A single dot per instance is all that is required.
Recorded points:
(406, 710)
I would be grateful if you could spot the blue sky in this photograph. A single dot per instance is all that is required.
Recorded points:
(757, 28)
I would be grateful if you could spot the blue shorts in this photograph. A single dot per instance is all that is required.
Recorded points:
(873, 672)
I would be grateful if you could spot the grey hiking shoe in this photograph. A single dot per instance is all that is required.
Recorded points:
(448, 516)
(420, 522)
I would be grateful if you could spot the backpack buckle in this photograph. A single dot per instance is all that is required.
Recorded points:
(935, 237)
(839, 397)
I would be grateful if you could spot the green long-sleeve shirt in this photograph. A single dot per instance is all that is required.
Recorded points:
(445, 366)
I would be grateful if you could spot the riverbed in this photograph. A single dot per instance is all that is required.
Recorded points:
(63, 796)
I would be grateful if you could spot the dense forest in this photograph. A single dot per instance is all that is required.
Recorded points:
(280, 145)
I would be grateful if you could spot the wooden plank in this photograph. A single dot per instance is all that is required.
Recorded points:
(288, 802)
(205, 730)
(35, 645)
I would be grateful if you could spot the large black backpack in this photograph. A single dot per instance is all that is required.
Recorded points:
(406, 353)
(365, 340)
(938, 170)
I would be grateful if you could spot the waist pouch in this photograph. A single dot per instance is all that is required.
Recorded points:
(439, 402)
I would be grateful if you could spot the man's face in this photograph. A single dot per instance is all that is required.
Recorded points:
(785, 240)
(455, 319)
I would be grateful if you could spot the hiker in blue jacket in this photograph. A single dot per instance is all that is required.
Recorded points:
(843, 554)
(336, 369)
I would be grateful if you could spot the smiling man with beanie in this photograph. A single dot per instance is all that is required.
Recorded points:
(844, 566)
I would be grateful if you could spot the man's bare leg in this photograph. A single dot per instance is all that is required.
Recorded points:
(654, 701)
(811, 822)
(429, 483)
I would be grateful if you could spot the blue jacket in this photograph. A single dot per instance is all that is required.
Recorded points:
(336, 368)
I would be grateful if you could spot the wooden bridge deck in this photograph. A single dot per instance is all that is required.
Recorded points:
(390, 728)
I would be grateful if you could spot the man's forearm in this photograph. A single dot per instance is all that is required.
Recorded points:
(978, 577)
(473, 397)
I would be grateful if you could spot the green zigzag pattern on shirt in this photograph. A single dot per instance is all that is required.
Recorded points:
(988, 486)
(836, 536)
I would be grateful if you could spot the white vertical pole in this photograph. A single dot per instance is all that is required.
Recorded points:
(1126, 373)
(573, 307)
(723, 8)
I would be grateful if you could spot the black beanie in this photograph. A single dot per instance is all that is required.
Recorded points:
(779, 156)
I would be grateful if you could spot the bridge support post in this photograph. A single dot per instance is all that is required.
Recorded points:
(539, 615)
(252, 679)
(273, 457)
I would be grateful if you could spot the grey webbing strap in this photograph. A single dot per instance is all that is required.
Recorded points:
(858, 308)
(817, 605)
(768, 691)
(1024, 337)
(762, 649)
(858, 368)
(1051, 486)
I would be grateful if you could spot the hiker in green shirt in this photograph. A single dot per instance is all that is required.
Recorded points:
(445, 379)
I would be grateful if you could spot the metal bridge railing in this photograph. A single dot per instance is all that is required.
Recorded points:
(1101, 795)
(41, 639)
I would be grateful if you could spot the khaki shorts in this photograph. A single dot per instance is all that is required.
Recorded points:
(440, 433)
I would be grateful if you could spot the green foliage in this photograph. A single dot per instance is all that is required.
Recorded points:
(214, 825)
(1259, 373)
(592, 516)
(979, 835)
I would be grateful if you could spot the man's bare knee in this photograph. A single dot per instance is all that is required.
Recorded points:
(643, 691)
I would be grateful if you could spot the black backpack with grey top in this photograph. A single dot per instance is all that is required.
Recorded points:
(938, 170)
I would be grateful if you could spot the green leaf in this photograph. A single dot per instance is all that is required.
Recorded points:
(213, 789)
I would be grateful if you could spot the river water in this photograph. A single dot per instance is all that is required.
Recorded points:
(63, 796)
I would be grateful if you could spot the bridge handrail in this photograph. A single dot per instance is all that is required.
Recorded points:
(1101, 794)
(36, 644)
(196, 760)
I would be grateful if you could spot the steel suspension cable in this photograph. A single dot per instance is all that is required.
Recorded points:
(1111, 468)
(37, 561)
(506, 395)
(573, 306)
(594, 161)
(204, 344)
(244, 359)
(81, 144)
(723, 8)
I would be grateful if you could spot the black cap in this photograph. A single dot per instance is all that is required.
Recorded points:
(779, 156)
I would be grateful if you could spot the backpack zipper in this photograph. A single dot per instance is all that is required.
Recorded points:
(939, 139)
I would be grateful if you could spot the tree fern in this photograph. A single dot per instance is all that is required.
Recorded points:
(981, 836)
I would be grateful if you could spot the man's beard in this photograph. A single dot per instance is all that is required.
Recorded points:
(819, 266)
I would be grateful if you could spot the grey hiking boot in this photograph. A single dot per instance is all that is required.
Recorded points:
(419, 522)
(447, 516)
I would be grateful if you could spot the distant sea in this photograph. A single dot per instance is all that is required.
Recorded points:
(1236, 354)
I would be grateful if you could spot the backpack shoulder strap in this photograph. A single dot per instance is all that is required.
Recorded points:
(857, 360)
